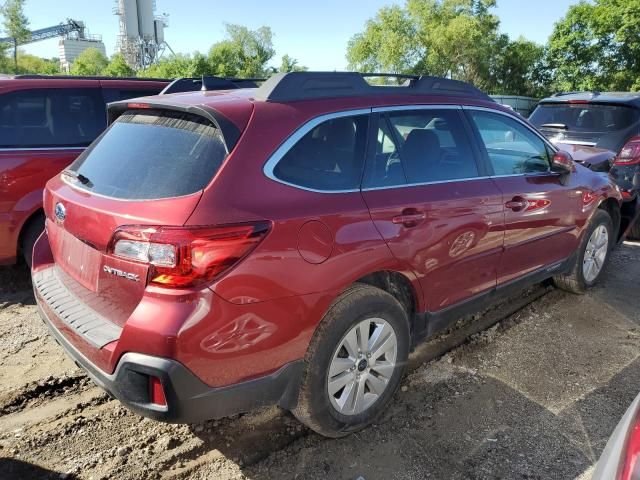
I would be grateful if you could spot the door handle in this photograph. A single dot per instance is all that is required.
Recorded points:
(517, 204)
(409, 218)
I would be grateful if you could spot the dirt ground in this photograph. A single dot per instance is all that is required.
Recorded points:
(534, 396)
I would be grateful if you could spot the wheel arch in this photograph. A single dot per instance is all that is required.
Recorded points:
(33, 217)
(612, 207)
(400, 287)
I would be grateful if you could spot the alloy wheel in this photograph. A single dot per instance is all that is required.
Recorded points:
(596, 253)
(362, 366)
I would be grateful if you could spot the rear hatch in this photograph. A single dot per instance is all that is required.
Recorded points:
(604, 125)
(148, 169)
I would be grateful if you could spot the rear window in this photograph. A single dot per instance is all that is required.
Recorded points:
(584, 117)
(151, 154)
(51, 118)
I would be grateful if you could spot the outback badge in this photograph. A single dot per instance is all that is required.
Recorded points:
(119, 273)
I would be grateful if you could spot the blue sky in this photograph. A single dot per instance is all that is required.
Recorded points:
(315, 33)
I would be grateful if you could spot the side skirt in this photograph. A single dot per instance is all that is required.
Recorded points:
(427, 324)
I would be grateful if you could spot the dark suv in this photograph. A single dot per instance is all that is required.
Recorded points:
(45, 122)
(215, 251)
(600, 122)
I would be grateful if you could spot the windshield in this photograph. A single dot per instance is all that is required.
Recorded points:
(151, 154)
(583, 117)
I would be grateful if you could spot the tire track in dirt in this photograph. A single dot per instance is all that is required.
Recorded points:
(450, 417)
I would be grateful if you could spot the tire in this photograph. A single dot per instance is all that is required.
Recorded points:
(576, 281)
(359, 305)
(29, 236)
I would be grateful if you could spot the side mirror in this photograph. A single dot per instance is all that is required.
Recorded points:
(563, 162)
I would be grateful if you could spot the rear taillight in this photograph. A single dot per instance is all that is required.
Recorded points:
(186, 256)
(630, 153)
(631, 466)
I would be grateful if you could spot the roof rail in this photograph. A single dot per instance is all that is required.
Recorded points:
(35, 76)
(292, 86)
(206, 83)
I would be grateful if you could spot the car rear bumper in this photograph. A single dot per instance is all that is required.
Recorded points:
(623, 175)
(189, 400)
(630, 216)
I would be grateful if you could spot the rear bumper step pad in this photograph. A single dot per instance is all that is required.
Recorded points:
(87, 323)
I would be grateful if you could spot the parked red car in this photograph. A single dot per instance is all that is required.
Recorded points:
(213, 252)
(45, 122)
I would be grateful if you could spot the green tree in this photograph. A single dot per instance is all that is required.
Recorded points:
(244, 53)
(519, 68)
(289, 64)
(5, 64)
(178, 66)
(32, 64)
(459, 38)
(388, 44)
(450, 38)
(596, 46)
(223, 59)
(16, 25)
(90, 62)
(118, 67)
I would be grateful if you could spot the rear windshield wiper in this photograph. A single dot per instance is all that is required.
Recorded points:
(78, 176)
(559, 126)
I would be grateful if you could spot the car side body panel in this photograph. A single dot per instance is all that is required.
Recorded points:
(23, 174)
(25, 171)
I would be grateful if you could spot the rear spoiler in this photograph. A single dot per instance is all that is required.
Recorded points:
(207, 83)
(230, 132)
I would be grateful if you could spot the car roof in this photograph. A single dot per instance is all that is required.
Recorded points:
(30, 76)
(45, 81)
(326, 92)
(621, 98)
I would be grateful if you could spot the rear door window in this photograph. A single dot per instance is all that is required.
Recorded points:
(421, 146)
(51, 118)
(152, 154)
(329, 157)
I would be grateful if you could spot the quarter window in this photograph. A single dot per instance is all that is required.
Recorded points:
(511, 147)
(330, 157)
(51, 118)
(421, 146)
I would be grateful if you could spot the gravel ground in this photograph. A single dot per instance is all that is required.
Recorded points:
(533, 396)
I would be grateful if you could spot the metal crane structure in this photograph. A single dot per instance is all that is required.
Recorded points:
(60, 30)
(73, 36)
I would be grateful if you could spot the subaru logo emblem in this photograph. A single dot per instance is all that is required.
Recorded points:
(60, 211)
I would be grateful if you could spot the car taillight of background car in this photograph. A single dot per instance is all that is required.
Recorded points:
(630, 153)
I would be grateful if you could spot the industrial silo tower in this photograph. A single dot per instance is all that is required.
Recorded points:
(141, 38)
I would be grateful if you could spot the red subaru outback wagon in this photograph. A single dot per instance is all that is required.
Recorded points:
(213, 252)
(45, 122)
